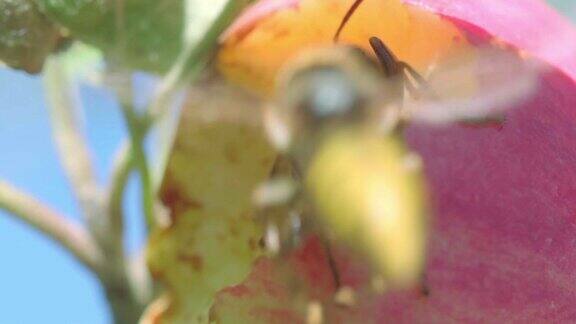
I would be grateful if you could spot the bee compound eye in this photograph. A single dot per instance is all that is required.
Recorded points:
(323, 93)
(331, 94)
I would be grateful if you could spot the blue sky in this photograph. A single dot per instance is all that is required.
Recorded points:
(40, 282)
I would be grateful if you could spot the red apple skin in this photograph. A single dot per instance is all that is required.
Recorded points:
(505, 222)
(530, 25)
(503, 244)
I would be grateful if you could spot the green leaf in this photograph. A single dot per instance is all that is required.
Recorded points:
(27, 37)
(140, 34)
(144, 34)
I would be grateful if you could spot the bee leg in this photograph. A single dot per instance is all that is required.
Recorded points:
(395, 68)
(271, 239)
(332, 265)
(390, 64)
(276, 193)
(281, 190)
(295, 228)
(412, 89)
(414, 74)
(282, 226)
(419, 87)
(424, 288)
(344, 296)
(281, 205)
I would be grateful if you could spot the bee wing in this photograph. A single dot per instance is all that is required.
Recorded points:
(474, 86)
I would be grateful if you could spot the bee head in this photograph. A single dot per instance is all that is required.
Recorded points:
(322, 90)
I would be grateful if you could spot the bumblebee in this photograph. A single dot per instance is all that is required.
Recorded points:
(360, 181)
(338, 119)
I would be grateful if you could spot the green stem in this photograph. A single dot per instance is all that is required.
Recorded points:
(73, 148)
(71, 236)
(192, 60)
(138, 131)
(188, 66)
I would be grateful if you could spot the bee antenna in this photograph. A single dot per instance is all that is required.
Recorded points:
(347, 17)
